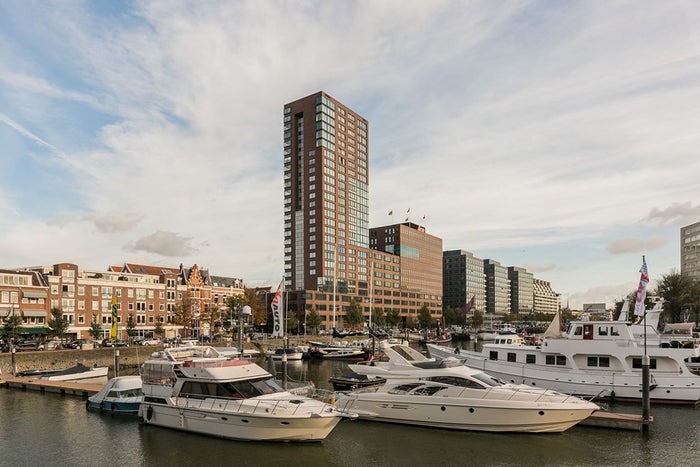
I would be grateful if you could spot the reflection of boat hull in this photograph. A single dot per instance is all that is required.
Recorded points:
(84, 374)
(120, 395)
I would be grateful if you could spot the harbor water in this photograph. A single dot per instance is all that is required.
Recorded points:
(53, 430)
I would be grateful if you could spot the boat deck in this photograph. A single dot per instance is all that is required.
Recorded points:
(29, 383)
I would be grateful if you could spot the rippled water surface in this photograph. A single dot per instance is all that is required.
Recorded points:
(49, 430)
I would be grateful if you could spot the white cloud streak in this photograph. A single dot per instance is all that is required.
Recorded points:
(514, 125)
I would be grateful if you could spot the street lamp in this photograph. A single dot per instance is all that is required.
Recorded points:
(243, 311)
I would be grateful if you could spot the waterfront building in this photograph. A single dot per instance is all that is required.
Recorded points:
(497, 288)
(149, 294)
(24, 294)
(690, 250)
(328, 260)
(521, 290)
(463, 278)
(545, 300)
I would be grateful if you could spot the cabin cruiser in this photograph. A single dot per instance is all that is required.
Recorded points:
(600, 359)
(121, 394)
(79, 373)
(443, 393)
(196, 389)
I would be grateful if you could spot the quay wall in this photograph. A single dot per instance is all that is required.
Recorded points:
(129, 357)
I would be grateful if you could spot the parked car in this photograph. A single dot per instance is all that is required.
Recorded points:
(53, 344)
(81, 344)
(117, 343)
(150, 341)
(28, 345)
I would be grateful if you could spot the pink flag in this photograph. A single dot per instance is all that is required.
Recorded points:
(642, 289)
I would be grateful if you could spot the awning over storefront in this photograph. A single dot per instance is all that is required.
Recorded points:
(32, 330)
(34, 293)
(33, 313)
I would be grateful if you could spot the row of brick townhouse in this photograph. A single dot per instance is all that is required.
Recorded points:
(150, 294)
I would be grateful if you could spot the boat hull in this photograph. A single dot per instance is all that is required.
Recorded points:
(229, 424)
(114, 406)
(462, 415)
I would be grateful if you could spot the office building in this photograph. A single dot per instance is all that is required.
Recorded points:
(521, 290)
(690, 250)
(463, 278)
(497, 287)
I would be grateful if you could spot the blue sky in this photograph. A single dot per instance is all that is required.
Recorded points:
(557, 136)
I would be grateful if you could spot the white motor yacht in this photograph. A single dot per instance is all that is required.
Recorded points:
(196, 389)
(446, 394)
(600, 359)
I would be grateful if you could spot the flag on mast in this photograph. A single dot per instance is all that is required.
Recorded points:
(115, 319)
(467, 308)
(277, 312)
(642, 289)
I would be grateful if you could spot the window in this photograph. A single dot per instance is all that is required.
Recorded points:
(511, 356)
(578, 331)
(530, 358)
(637, 363)
(559, 360)
(602, 330)
(493, 355)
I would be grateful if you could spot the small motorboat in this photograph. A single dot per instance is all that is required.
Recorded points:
(352, 381)
(292, 353)
(120, 395)
(80, 372)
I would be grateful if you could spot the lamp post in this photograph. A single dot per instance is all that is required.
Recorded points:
(243, 311)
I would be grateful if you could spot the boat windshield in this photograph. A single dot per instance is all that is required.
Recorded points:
(457, 381)
(489, 381)
(234, 389)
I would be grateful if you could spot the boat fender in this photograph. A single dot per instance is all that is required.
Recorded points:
(87, 405)
(149, 413)
(102, 406)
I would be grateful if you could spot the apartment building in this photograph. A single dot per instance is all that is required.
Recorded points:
(328, 261)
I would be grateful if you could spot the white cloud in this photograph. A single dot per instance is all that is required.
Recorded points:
(565, 131)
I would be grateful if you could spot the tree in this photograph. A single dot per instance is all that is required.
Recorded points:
(393, 318)
(12, 325)
(313, 319)
(291, 322)
(694, 302)
(677, 292)
(353, 314)
(58, 324)
(424, 319)
(182, 315)
(378, 318)
(130, 326)
(159, 330)
(95, 328)
(454, 316)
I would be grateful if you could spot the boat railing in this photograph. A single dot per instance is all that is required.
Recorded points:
(503, 392)
(258, 406)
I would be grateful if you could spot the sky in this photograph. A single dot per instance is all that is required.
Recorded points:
(561, 137)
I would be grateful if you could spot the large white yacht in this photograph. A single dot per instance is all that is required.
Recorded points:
(196, 389)
(601, 359)
(446, 394)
